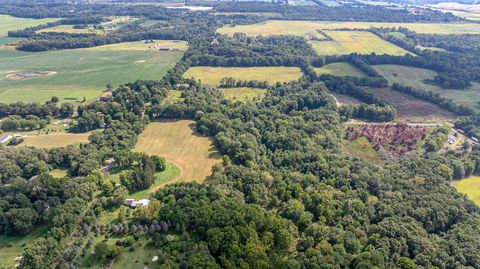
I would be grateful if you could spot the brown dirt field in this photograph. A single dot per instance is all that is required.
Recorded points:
(179, 143)
(411, 109)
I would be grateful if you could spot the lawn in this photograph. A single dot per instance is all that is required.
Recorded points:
(362, 42)
(180, 144)
(243, 94)
(304, 28)
(79, 73)
(171, 173)
(54, 140)
(414, 77)
(10, 23)
(411, 109)
(212, 75)
(18, 242)
(340, 69)
(470, 187)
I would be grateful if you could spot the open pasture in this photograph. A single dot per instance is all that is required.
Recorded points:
(302, 28)
(414, 77)
(470, 187)
(180, 144)
(79, 73)
(12, 246)
(69, 29)
(362, 42)
(410, 109)
(212, 75)
(53, 140)
(340, 69)
(10, 23)
(243, 94)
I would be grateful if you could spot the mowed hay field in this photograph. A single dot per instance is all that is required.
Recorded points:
(212, 75)
(301, 28)
(180, 144)
(74, 74)
(54, 140)
(362, 42)
(411, 109)
(470, 187)
(340, 69)
(414, 77)
(10, 23)
(69, 29)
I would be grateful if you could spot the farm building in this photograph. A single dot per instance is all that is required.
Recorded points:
(451, 139)
(4, 138)
(136, 204)
(475, 139)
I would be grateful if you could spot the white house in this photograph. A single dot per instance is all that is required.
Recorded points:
(4, 138)
(451, 139)
(136, 204)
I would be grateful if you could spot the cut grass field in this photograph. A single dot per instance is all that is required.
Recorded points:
(10, 23)
(212, 75)
(470, 187)
(243, 94)
(302, 28)
(179, 143)
(12, 246)
(142, 46)
(69, 29)
(54, 140)
(414, 77)
(410, 109)
(340, 69)
(81, 72)
(362, 42)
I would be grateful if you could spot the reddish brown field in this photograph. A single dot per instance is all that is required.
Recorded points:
(411, 109)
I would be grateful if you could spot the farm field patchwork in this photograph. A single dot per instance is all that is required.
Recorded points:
(470, 187)
(10, 23)
(302, 28)
(412, 109)
(340, 69)
(54, 140)
(212, 75)
(243, 93)
(180, 144)
(414, 77)
(72, 75)
(362, 42)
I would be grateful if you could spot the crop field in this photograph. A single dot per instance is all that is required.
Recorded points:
(411, 109)
(414, 77)
(362, 42)
(212, 75)
(69, 29)
(54, 140)
(243, 94)
(470, 187)
(305, 28)
(12, 246)
(340, 69)
(72, 75)
(10, 23)
(180, 144)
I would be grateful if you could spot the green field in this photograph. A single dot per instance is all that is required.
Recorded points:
(10, 23)
(12, 246)
(69, 29)
(414, 77)
(212, 75)
(80, 73)
(470, 187)
(363, 149)
(171, 173)
(340, 69)
(302, 28)
(243, 94)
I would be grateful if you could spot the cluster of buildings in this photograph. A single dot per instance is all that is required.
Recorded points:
(4, 138)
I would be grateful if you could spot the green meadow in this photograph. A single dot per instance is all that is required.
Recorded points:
(12, 246)
(10, 23)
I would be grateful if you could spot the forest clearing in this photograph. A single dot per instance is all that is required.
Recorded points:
(470, 187)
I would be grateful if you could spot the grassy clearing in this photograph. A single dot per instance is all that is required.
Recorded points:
(54, 140)
(79, 73)
(173, 97)
(69, 29)
(304, 28)
(58, 173)
(243, 94)
(411, 109)
(343, 99)
(212, 75)
(142, 46)
(12, 246)
(340, 69)
(414, 77)
(362, 42)
(470, 187)
(171, 173)
(10, 23)
(179, 143)
(362, 149)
